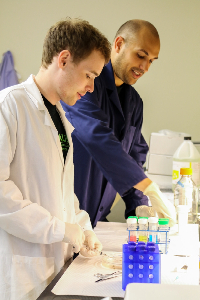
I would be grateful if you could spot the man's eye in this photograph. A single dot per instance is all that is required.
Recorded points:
(151, 61)
(87, 76)
(140, 56)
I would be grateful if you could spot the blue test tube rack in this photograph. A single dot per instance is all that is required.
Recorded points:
(141, 263)
(164, 249)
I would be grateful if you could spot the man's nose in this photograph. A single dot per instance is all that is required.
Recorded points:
(144, 66)
(90, 87)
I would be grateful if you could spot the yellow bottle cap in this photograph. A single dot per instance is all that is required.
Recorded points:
(186, 171)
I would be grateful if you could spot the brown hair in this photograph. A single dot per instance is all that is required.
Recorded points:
(77, 36)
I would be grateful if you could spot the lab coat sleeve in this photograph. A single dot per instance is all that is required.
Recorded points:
(18, 216)
(92, 130)
(82, 217)
(138, 151)
(139, 147)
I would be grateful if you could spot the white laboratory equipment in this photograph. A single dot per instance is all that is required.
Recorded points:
(186, 193)
(186, 156)
(182, 213)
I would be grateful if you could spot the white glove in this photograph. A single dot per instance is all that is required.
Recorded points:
(74, 235)
(160, 203)
(145, 211)
(92, 246)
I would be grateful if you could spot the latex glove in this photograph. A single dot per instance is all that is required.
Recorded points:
(92, 245)
(145, 211)
(163, 207)
(74, 235)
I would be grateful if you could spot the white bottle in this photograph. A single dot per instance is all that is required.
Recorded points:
(186, 156)
(186, 193)
(182, 212)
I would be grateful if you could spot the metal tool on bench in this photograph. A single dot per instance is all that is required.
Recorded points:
(107, 276)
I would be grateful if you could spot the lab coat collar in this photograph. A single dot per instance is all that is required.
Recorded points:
(34, 93)
(108, 74)
(36, 97)
(109, 79)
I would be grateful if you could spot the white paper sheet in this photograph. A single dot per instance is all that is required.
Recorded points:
(79, 278)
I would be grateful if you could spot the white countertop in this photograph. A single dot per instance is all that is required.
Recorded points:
(113, 235)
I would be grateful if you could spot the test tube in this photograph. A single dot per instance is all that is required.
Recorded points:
(132, 226)
(163, 236)
(153, 225)
(143, 227)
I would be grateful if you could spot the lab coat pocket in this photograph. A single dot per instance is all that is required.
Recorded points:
(128, 138)
(30, 276)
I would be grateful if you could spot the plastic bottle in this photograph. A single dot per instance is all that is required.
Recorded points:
(186, 193)
(163, 234)
(143, 226)
(153, 225)
(182, 211)
(132, 225)
(186, 156)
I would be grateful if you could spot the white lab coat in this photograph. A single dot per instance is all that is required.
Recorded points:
(36, 194)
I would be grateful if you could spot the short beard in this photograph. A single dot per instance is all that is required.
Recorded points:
(119, 71)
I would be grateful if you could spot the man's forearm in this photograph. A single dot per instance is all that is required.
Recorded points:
(142, 185)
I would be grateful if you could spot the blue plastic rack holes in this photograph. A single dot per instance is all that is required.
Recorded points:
(141, 263)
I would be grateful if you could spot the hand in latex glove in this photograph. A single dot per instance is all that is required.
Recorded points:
(145, 211)
(74, 235)
(92, 246)
(160, 203)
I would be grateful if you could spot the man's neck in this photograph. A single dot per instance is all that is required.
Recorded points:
(118, 81)
(45, 85)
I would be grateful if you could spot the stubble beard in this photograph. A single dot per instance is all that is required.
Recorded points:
(120, 72)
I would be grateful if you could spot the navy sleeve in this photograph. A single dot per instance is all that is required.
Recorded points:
(138, 151)
(91, 129)
(139, 147)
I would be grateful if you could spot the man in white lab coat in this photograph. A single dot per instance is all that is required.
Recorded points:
(41, 225)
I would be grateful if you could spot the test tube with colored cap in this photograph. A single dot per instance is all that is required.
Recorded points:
(132, 226)
(163, 236)
(142, 229)
(153, 225)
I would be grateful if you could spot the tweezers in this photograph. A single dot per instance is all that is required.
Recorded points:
(109, 277)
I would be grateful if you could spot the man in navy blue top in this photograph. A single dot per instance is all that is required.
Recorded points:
(109, 149)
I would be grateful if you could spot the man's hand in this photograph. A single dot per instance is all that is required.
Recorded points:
(74, 235)
(92, 246)
(160, 203)
(145, 211)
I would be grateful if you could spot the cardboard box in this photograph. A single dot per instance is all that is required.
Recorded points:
(163, 144)
(160, 164)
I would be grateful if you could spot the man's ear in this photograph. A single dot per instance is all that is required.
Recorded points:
(63, 58)
(118, 43)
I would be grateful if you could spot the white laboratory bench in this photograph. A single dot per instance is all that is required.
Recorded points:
(113, 235)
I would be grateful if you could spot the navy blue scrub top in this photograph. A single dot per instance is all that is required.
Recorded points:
(109, 149)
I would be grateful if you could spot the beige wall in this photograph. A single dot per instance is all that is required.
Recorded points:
(171, 88)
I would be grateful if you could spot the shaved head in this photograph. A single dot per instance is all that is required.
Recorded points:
(130, 30)
(136, 46)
